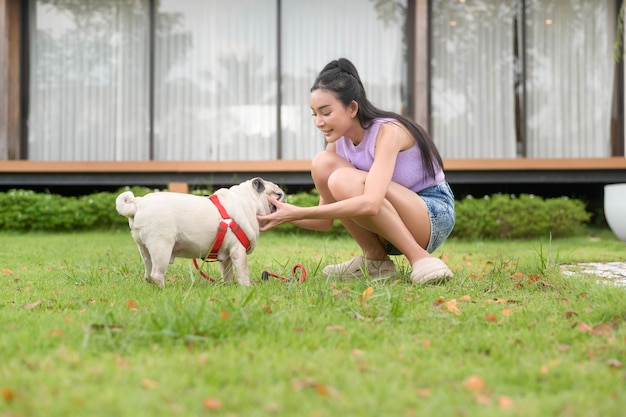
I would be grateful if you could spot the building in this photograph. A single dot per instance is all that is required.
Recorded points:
(105, 93)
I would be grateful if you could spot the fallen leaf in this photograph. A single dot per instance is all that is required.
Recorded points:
(121, 362)
(506, 311)
(584, 328)
(367, 293)
(452, 307)
(491, 317)
(545, 368)
(424, 392)
(321, 389)
(505, 402)
(267, 308)
(131, 305)
(302, 383)
(570, 314)
(336, 328)
(483, 399)
(474, 383)
(603, 329)
(225, 315)
(466, 297)
(211, 403)
(439, 301)
(148, 383)
(8, 394)
(614, 363)
(7, 272)
(30, 306)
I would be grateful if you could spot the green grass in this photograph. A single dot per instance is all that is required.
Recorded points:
(83, 335)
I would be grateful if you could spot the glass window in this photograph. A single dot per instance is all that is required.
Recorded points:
(209, 88)
(569, 77)
(370, 34)
(532, 82)
(472, 78)
(216, 80)
(88, 85)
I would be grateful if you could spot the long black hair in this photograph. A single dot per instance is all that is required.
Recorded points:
(341, 77)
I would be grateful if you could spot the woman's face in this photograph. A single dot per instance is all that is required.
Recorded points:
(331, 116)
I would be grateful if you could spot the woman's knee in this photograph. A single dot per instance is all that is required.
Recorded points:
(345, 182)
(324, 164)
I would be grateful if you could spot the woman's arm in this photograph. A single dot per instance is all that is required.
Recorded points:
(390, 141)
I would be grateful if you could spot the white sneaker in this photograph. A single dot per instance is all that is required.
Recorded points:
(359, 267)
(430, 271)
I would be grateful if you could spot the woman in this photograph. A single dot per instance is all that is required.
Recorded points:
(381, 175)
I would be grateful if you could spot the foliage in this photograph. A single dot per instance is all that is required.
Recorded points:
(25, 210)
(495, 216)
(525, 216)
(84, 335)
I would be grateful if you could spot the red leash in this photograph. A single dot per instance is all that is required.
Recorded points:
(195, 263)
(298, 272)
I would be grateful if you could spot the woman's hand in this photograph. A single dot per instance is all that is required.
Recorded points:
(284, 213)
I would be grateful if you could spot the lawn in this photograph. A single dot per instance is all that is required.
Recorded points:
(84, 335)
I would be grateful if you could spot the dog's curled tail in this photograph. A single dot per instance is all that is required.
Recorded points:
(125, 204)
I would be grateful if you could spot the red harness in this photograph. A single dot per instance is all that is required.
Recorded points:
(225, 223)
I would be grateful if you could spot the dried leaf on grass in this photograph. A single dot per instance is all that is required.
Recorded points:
(367, 293)
(602, 329)
(322, 389)
(32, 305)
(8, 394)
(148, 383)
(452, 307)
(211, 403)
(614, 363)
(474, 383)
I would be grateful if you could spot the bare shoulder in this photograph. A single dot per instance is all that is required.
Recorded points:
(396, 133)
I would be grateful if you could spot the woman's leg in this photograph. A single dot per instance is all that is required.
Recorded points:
(403, 219)
(322, 167)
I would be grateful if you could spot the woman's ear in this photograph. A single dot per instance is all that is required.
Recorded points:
(354, 108)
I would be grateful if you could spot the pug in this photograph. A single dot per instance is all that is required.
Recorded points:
(221, 227)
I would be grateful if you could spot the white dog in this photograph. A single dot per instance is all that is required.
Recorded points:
(169, 225)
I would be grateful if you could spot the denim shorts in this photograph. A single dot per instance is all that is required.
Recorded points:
(439, 201)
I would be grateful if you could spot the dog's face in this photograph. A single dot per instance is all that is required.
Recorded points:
(267, 189)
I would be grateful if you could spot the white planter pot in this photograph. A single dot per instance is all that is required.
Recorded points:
(615, 208)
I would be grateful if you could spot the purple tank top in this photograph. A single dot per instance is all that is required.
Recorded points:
(409, 170)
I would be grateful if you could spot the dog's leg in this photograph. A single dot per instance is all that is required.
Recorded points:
(160, 254)
(147, 262)
(240, 260)
(226, 269)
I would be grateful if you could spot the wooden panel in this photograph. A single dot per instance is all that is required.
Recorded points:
(156, 166)
(10, 117)
(14, 19)
(422, 65)
(521, 164)
(4, 95)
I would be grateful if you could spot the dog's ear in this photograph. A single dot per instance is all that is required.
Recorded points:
(258, 185)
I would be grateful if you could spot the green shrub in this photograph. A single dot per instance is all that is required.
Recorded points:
(498, 216)
(501, 216)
